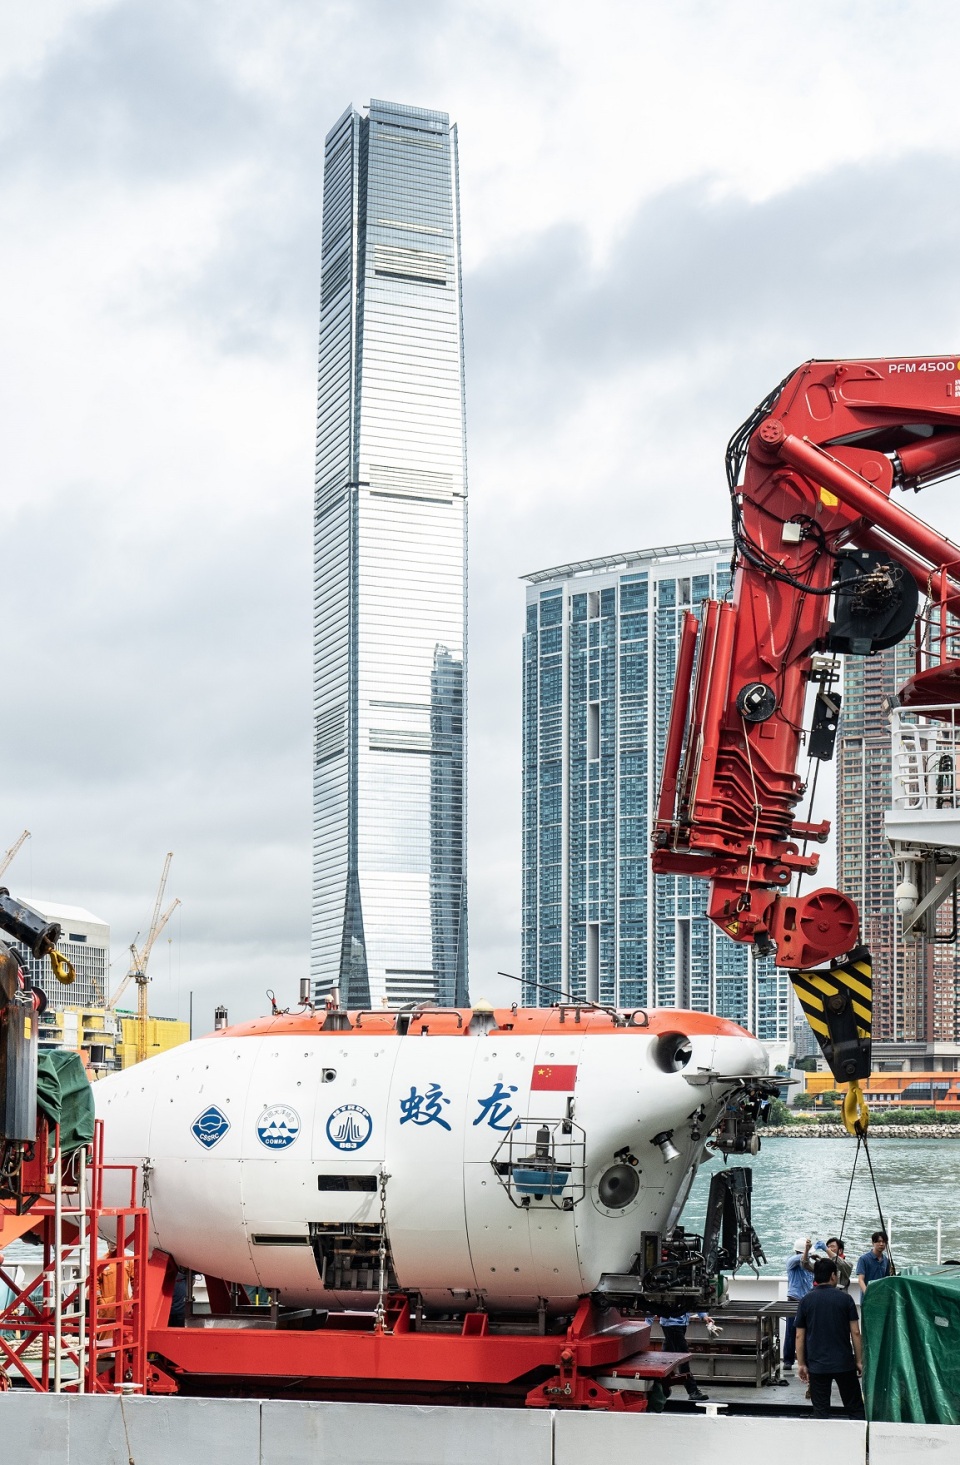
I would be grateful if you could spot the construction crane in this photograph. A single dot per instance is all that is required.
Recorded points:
(12, 853)
(139, 958)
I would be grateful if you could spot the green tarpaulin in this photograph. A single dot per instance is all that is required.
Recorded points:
(65, 1096)
(911, 1346)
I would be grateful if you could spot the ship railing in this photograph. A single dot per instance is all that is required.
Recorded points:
(925, 747)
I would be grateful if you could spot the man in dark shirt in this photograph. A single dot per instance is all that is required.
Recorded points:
(828, 1343)
(874, 1263)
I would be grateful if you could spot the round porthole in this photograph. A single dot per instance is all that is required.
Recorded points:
(672, 1052)
(618, 1187)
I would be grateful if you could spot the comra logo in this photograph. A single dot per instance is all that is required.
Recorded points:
(349, 1127)
(278, 1126)
(209, 1127)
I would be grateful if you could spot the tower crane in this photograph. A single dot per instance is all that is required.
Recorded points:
(12, 853)
(139, 958)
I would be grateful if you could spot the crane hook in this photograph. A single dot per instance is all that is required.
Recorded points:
(856, 1115)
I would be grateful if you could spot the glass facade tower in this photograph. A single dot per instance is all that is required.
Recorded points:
(389, 883)
(598, 668)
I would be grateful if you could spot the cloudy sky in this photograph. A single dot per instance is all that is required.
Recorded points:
(665, 207)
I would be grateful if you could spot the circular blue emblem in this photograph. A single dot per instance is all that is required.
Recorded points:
(349, 1127)
(278, 1126)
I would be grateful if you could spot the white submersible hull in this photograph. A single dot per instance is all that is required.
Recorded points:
(508, 1159)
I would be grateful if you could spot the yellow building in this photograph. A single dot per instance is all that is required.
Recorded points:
(162, 1033)
(107, 1040)
(89, 1030)
(905, 1090)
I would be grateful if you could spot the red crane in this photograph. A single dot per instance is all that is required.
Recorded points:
(826, 564)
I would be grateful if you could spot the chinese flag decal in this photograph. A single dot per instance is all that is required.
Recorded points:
(560, 1077)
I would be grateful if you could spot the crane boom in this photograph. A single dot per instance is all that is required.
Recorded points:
(143, 955)
(156, 923)
(12, 852)
(139, 959)
(826, 564)
(115, 999)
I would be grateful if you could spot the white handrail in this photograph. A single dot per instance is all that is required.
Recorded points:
(925, 757)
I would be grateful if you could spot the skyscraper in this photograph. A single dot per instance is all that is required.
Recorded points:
(599, 661)
(915, 996)
(389, 885)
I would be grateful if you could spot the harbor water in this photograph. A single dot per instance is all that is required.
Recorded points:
(800, 1189)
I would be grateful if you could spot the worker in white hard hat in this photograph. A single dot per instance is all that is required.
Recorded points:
(799, 1283)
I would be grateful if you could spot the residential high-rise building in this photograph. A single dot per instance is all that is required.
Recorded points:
(389, 884)
(916, 983)
(805, 1043)
(86, 944)
(599, 661)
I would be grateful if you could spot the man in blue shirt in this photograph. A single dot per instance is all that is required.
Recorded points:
(799, 1282)
(828, 1343)
(874, 1263)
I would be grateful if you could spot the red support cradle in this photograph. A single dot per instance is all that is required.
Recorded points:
(600, 1361)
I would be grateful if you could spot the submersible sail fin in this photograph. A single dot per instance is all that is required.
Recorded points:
(838, 1004)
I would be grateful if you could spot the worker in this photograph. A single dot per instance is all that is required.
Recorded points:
(874, 1263)
(107, 1285)
(674, 1331)
(178, 1305)
(829, 1344)
(799, 1283)
(844, 1268)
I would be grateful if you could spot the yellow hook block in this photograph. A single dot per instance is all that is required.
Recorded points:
(62, 969)
(856, 1115)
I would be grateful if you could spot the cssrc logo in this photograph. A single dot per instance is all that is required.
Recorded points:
(209, 1127)
(349, 1127)
(278, 1126)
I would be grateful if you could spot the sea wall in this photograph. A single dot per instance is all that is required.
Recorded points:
(103, 1430)
(875, 1131)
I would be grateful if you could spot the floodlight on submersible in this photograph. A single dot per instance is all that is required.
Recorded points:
(664, 1142)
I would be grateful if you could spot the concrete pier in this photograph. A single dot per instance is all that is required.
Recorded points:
(61, 1430)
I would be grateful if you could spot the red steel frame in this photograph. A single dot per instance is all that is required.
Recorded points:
(730, 789)
(103, 1338)
(350, 1357)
